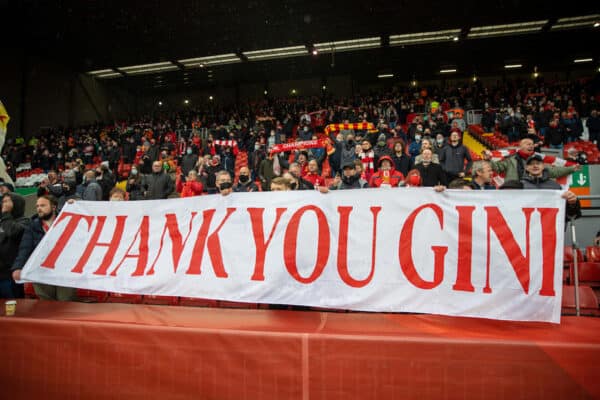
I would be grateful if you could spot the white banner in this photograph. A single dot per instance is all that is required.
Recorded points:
(492, 254)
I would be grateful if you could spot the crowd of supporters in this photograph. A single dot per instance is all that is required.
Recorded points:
(414, 139)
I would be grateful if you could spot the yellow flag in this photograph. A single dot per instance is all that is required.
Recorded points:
(4, 118)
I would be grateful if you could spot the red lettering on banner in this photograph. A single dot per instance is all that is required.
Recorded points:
(177, 244)
(65, 236)
(465, 249)
(291, 239)
(94, 242)
(211, 242)
(142, 256)
(342, 255)
(405, 251)
(548, 222)
(256, 218)
(519, 263)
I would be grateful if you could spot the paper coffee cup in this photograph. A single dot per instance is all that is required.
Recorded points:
(10, 307)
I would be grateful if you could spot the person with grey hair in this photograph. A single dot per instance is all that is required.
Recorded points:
(224, 182)
(158, 184)
(90, 190)
(427, 143)
(481, 173)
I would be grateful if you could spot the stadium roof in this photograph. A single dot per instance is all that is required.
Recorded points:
(154, 45)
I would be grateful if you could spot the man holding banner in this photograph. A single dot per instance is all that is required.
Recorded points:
(46, 206)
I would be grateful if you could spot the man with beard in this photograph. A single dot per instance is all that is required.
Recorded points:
(349, 179)
(34, 232)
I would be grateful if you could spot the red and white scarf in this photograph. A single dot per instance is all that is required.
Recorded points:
(307, 144)
(368, 162)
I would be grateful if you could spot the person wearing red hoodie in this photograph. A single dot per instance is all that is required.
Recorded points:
(386, 175)
(191, 187)
(313, 175)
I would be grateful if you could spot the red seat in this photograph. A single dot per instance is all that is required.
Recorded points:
(592, 253)
(589, 273)
(196, 302)
(91, 296)
(588, 302)
(568, 255)
(160, 300)
(124, 298)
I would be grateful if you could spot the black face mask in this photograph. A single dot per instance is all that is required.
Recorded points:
(225, 186)
(293, 185)
(244, 178)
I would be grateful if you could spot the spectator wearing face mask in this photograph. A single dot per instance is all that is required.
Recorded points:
(134, 186)
(224, 183)
(188, 161)
(245, 183)
(415, 146)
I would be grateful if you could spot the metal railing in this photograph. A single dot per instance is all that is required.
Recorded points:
(575, 257)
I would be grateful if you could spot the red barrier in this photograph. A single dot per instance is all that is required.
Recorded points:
(88, 351)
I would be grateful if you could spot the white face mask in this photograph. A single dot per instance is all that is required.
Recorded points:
(418, 138)
(189, 151)
(306, 129)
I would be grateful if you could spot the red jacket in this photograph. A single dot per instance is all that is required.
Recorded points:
(391, 177)
(315, 179)
(189, 188)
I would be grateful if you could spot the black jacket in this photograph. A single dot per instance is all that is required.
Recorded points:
(32, 236)
(402, 163)
(12, 226)
(158, 186)
(431, 175)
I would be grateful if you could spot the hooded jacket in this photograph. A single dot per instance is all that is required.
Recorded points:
(393, 178)
(12, 226)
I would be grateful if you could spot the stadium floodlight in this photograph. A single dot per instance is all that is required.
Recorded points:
(281, 52)
(109, 75)
(201, 62)
(424, 37)
(583, 21)
(506, 29)
(582, 60)
(348, 45)
(448, 71)
(149, 68)
(382, 76)
(100, 71)
(513, 66)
